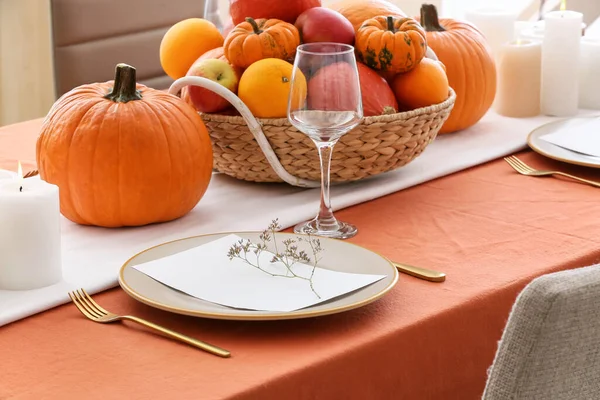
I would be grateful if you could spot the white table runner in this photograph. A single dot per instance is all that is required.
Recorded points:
(93, 256)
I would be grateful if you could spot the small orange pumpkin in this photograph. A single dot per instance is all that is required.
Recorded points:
(255, 40)
(393, 44)
(124, 154)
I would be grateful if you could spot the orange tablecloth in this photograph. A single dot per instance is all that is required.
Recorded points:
(490, 229)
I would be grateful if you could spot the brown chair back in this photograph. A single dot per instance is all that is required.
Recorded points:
(90, 37)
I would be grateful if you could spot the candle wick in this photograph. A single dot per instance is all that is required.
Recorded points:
(20, 188)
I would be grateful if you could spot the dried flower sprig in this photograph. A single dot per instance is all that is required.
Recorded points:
(288, 256)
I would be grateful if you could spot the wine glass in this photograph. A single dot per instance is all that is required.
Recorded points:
(324, 104)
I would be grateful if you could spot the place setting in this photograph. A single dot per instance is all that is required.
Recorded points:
(573, 141)
(532, 81)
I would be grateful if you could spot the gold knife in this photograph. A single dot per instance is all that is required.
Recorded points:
(421, 273)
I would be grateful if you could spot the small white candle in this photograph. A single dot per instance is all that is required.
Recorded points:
(496, 24)
(560, 63)
(519, 76)
(589, 68)
(6, 174)
(30, 248)
(524, 28)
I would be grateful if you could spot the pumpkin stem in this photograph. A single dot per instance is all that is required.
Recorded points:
(387, 110)
(429, 19)
(390, 23)
(254, 25)
(124, 88)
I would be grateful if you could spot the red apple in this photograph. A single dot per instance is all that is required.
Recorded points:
(320, 24)
(285, 10)
(218, 71)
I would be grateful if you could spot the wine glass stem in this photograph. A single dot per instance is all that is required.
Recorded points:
(325, 220)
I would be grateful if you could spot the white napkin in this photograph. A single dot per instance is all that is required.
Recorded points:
(206, 272)
(93, 256)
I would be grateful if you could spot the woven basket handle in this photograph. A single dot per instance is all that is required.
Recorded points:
(253, 125)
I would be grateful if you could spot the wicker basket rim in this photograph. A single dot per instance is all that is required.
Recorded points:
(404, 115)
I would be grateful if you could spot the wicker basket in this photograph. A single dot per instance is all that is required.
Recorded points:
(273, 150)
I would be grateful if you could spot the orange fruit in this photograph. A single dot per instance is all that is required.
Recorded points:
(423, 86)
(184, 42)
(265, 87)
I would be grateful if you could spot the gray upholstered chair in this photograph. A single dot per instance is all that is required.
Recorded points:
(550, 348)
(91, 36)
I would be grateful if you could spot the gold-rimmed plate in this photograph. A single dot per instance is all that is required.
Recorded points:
(558, 153)
(337, 255)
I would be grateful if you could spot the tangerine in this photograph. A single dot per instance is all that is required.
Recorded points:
(185, 42)
(265, 88)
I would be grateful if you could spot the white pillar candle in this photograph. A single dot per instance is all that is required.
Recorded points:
(519, 76)
(522, 28)
(496, 24)
(560, 63)
(540, 26)
(30, 248)
(6, 174)
(589, 69)
(535, 30)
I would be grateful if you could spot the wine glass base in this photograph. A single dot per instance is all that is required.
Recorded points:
(344, 230)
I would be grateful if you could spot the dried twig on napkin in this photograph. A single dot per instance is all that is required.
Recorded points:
(288, 256)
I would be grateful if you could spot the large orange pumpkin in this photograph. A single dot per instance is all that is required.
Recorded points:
(285, 10)
(392, 44)
(124, 154)
(256, 40)
(358, 11)
(469, 65)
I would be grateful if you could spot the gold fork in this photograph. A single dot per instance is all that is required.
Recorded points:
(93, 311)
(525, 169)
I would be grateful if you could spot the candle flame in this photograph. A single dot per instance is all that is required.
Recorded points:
(20, 176)
(518, 41)
(563, 5)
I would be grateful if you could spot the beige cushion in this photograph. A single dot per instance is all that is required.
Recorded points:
(550, 348)
(92, 36)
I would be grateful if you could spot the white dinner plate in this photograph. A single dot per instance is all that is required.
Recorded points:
(555, 152)
(337, 255)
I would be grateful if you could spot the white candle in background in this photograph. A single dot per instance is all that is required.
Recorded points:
(521, 28)
(30, 248)
(496, 24)
(535, 30)
(519, 76)
(589, 74)
(560, 63)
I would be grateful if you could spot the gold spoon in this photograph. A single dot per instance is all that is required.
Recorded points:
(421, 273)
